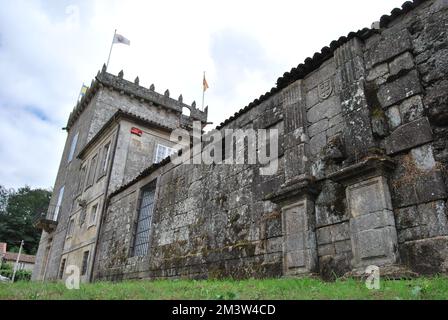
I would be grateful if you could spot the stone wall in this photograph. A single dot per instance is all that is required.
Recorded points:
(362, 174)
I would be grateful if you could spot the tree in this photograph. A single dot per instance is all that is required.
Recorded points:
(16, 221)
(4, 194)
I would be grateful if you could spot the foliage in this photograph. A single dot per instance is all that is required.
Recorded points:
(21, 275)
(17, 211)
(276, 289)
(7, 270)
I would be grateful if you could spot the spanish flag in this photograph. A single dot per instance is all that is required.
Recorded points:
(204, 83)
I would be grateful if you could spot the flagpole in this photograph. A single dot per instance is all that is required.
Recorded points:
(203, 92)
(111, 46)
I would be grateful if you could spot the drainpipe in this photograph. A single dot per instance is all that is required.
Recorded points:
(106, 202)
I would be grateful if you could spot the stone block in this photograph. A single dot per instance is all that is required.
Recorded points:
(376, 243)
(343, 246)
(317, 143)
(411, 109)
(312, 98)
(326, 250)
(274, 245)
(374, 220)
(388, 47)
(403, 62)
(325, 109)
(378, 71)
(368, 197)
(430, 187)
(318, 127)
(407, 217)
(323, 235)
(426, 256)
(408, 136)
(400, 89)
(423, 157)
(436, 101)
(295, 259)
(331, 267)
(393, 117)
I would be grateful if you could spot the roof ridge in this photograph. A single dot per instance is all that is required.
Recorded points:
(312, 63)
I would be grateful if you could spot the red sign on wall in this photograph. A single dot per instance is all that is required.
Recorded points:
(136, 131)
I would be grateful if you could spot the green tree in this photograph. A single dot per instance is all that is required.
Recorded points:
(16, 220)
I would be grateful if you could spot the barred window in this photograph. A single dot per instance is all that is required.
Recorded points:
(143, 231)
(85, 262)
(62, 269)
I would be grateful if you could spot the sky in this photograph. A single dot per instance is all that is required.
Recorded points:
(48, 49)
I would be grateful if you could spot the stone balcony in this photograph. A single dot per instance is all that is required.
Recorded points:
(46, 220)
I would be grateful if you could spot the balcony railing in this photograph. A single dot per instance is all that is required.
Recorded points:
(47, 220)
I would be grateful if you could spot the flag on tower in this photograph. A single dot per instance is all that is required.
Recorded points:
(83, 91)
(118, 38)
(204, 83)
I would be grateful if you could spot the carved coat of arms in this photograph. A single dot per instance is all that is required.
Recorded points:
(325, 89)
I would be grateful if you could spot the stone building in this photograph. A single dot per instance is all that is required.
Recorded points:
(362, 177)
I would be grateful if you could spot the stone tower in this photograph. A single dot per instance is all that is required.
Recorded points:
(116, 130)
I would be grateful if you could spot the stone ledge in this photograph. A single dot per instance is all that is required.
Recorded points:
(301, 186)
(370, 167)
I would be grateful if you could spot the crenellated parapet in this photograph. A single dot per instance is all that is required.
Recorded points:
(134, 90)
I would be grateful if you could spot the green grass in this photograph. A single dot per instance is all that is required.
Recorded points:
(277, 289)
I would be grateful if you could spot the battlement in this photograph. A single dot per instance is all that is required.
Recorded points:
(133, 89)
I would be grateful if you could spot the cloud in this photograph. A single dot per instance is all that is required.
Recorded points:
(49, 48)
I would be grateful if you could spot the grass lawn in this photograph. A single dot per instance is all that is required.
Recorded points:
(278, 289)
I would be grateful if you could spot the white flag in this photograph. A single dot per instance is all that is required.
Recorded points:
(120, 39)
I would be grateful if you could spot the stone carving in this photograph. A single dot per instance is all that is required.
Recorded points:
(325, 89)
(372, 223)
(120, 74)
(334, 150)
(299, 249)
(152, 87)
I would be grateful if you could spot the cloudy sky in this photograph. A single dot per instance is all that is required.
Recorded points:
(49, 48)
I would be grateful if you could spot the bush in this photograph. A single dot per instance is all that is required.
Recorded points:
(21, 275)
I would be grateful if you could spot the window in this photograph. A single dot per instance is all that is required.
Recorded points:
(62, 268)
(105, 160)
(71, 227)
(142, 234)
(92, 170)
(93, 213)
(58, 204)
(162, 152)
(73, 147)
(82, 216)
(85, 261)
(82, 178)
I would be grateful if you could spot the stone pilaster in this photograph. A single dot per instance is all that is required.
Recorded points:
(296, 196)
(350, 82)
(372, 222)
